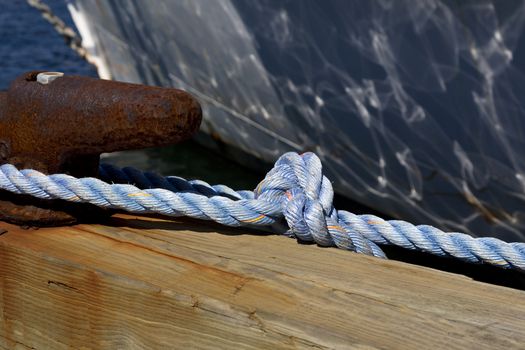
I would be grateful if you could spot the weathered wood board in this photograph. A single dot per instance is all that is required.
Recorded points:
(142, 283)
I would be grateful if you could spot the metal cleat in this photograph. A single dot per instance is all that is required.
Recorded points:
(55, 123)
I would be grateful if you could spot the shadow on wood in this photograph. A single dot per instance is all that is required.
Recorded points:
(482, 272)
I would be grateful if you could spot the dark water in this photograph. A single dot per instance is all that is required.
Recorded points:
(28, 42)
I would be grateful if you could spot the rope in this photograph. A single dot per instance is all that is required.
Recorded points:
(294, 190)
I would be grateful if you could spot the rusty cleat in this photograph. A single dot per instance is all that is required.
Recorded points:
(56, 123)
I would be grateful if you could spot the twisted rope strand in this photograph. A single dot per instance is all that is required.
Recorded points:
(132, 199)
(295, 189)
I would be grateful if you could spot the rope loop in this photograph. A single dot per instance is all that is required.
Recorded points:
(305, 196)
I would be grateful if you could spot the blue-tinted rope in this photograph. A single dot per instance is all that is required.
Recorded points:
(295, 189)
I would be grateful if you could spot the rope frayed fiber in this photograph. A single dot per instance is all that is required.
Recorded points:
(295, 191)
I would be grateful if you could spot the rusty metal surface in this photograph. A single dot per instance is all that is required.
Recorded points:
(47, 127)
(64, 126)
(33, 212)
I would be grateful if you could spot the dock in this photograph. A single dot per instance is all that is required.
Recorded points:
(148, 283)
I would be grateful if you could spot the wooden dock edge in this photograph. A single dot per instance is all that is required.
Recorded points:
(142, 283)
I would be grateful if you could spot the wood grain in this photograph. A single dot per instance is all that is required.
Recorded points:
(143, 283)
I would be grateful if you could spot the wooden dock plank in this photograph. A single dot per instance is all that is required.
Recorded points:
(139, 282)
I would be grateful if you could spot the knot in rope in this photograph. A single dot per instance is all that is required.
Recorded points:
(297, 184)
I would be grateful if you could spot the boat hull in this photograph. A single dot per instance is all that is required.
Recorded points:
(417, 109)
